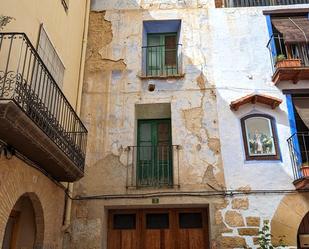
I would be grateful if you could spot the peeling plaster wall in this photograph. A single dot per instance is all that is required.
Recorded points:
(112, 89)
(224, 58)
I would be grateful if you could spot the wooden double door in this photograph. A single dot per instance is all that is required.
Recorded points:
(158, 229)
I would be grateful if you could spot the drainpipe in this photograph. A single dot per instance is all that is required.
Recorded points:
(70, 185)
(83, 57)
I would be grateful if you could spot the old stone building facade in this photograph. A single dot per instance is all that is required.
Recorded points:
(197, 113)
(188, 124)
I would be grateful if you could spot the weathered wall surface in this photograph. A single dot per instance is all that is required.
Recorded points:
(224, 57)
(112, 89)
(17, 179)
(65, 29)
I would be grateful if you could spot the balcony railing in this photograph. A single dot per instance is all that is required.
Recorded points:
(162, 61)
(279, 51)
(153, 166)
(290, 62)
(25, 80)
(299, 152)
(252, 3)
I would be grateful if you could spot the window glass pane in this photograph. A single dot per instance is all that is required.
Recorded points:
(154, 40)
(154, 54)
(163, 149)
(170, 41)
(124, 221)
(145, 143)
(190, 220)
(157, 221)
(145, 151)
(163, 132)
(259, 136)
(170, 50)
(145, 132)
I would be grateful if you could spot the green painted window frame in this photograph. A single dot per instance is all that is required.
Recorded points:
(156, 166)
(160, 67)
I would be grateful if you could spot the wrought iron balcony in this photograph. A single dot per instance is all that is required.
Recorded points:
(299, 152)
(35, 116)
(153, 166)
(252, 3)
(289, 62)
(162, 61)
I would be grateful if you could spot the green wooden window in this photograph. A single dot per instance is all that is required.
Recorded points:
(162, 54)
(154, 153)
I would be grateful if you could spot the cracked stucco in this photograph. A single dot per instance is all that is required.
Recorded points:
(100, 34)
(112, 90)
(214, 76)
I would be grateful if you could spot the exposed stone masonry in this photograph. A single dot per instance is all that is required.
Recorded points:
(238, 230)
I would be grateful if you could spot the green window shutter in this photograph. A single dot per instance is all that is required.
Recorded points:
(161, 54)
(154, 153)
(155, 54)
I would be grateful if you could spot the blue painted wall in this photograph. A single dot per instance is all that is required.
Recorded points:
(291, 113)
(164, 26)
(293, 128)
(270, 32)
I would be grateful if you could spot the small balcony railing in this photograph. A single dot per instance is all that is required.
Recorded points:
(162, 61)
(280, 52)
(25, 80)
(299, 153)
(290, 62)
(252, 3)
(153, 166)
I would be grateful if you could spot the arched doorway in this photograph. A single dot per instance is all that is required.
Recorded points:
(25, 227)
(303, 233)
(287, 219)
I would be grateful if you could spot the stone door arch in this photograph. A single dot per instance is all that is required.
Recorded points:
(287, 219)
(25, 225)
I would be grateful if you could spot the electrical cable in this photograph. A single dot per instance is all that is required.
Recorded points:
(235, 89)
(227, 193)
(213, 193)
